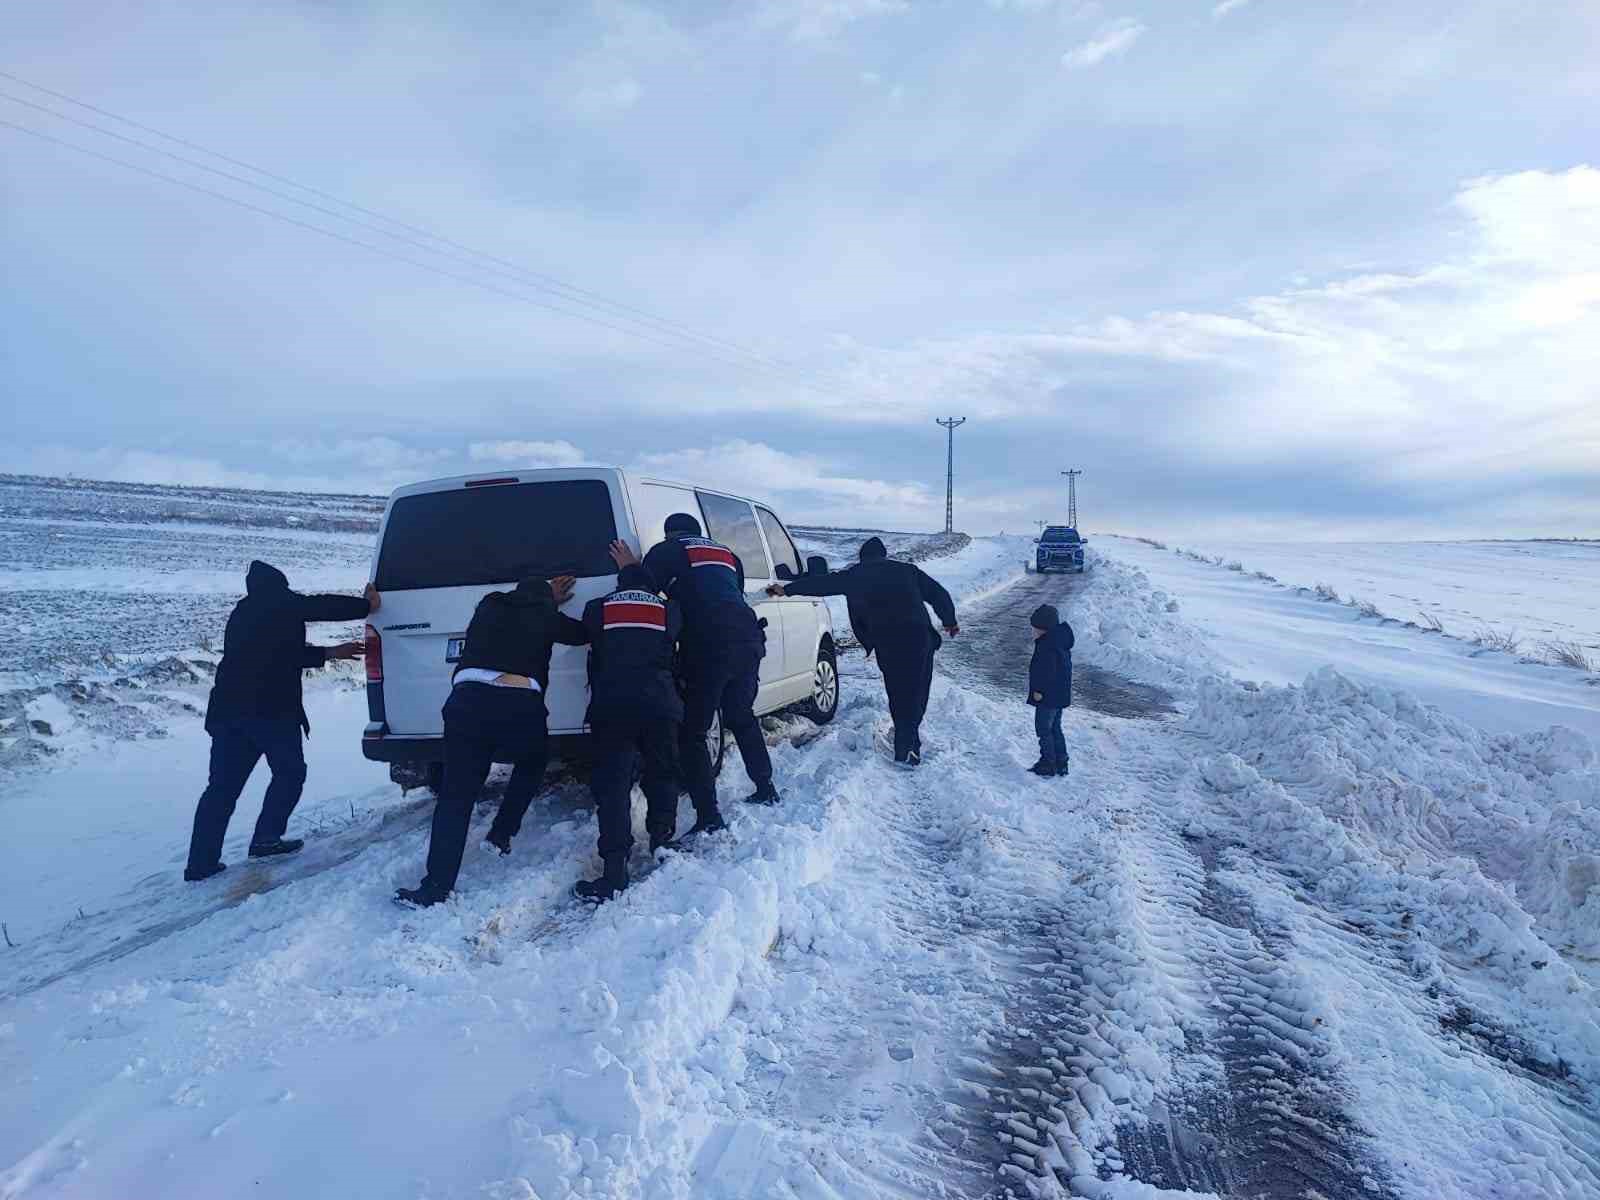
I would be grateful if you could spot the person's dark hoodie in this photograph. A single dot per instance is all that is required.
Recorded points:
(513, 632)
(1050, 672)
(264, 649)
(886, 597)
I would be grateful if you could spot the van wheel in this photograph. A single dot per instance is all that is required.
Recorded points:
(436, 778)
(824, 702)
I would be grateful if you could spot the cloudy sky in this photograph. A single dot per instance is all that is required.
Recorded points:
(1258, 267)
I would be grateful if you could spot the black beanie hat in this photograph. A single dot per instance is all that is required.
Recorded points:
(1045, 617)
(681, 523)
(635, 578)
(535, 587)
(873, 548)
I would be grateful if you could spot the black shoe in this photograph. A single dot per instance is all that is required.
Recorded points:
(191, 875)
(703, 827)
(500, 841)
(912, 759)
(661, 839)
(1066, 767)
(613, 881)
(765, 793)
(1043, 769)
(275, 848)
(419, 897)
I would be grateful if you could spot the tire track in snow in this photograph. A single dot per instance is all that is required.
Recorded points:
(1261, 1111)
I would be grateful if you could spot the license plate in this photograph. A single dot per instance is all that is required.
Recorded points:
(453, 648)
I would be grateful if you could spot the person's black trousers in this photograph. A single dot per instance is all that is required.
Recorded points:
(726, 684)
(236, 746)
(484, 724)
(620, 740)
(1052, 742)
(906, 660)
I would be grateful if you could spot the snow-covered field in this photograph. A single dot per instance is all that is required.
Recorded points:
(1279, 632)
(1287, 932)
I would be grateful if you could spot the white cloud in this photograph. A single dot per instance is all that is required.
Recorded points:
(1111, 41)
(528, 454)
(813, 491)
(819, 20)
(1226, 7)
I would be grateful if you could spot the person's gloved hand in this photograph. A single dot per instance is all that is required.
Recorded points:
(775, 589)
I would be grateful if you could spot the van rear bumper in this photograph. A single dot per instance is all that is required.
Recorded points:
(377, 746)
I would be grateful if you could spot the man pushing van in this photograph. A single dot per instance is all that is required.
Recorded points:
(496, 713)
(634, 714)
(887, 611)
(720, 658)
(256, 709)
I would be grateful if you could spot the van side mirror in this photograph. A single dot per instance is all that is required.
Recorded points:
(785, 572)
(816, 565)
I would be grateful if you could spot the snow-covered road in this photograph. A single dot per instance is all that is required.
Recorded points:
(1264, 940)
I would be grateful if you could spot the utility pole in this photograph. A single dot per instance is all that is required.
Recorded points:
(1072, 496)
(950, 424)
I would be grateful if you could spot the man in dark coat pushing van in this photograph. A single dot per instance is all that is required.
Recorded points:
(887, 613)
(634, 714)
(495, 713)
(721, 651)
(256, 709)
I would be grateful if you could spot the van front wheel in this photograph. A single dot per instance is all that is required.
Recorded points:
(824, 702)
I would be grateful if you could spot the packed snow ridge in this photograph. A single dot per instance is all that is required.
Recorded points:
(1279, 940)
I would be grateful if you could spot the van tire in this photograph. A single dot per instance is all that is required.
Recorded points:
(717, 737)
(824, 703)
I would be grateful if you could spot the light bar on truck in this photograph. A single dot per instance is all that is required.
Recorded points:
(491, 482)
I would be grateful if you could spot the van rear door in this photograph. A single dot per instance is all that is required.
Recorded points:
(444, 547)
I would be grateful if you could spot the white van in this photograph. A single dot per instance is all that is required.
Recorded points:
(447, 543)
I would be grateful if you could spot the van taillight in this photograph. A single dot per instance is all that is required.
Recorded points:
(374, 656)
(491, 482)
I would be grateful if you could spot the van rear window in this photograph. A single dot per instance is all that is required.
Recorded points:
(493, 535)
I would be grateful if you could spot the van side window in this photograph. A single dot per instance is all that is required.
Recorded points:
(779, 541)
(733, 523)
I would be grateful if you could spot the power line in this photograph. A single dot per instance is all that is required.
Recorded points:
(336, 236)
(712, 347)
(570, 292)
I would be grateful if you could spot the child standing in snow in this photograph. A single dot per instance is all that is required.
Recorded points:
(1050, 687)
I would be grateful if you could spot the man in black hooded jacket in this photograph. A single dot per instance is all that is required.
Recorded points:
(495, 713)
(256, 709)
(887, 613)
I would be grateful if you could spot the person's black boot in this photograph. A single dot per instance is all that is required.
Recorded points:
(191, 875)
(1066, 766)
(911, 761)
(275, 848)
(703, 827)
(500, 840)
(661, 838)
(613, 881)
(421, 896)
(1043, 769)
(765, 793)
